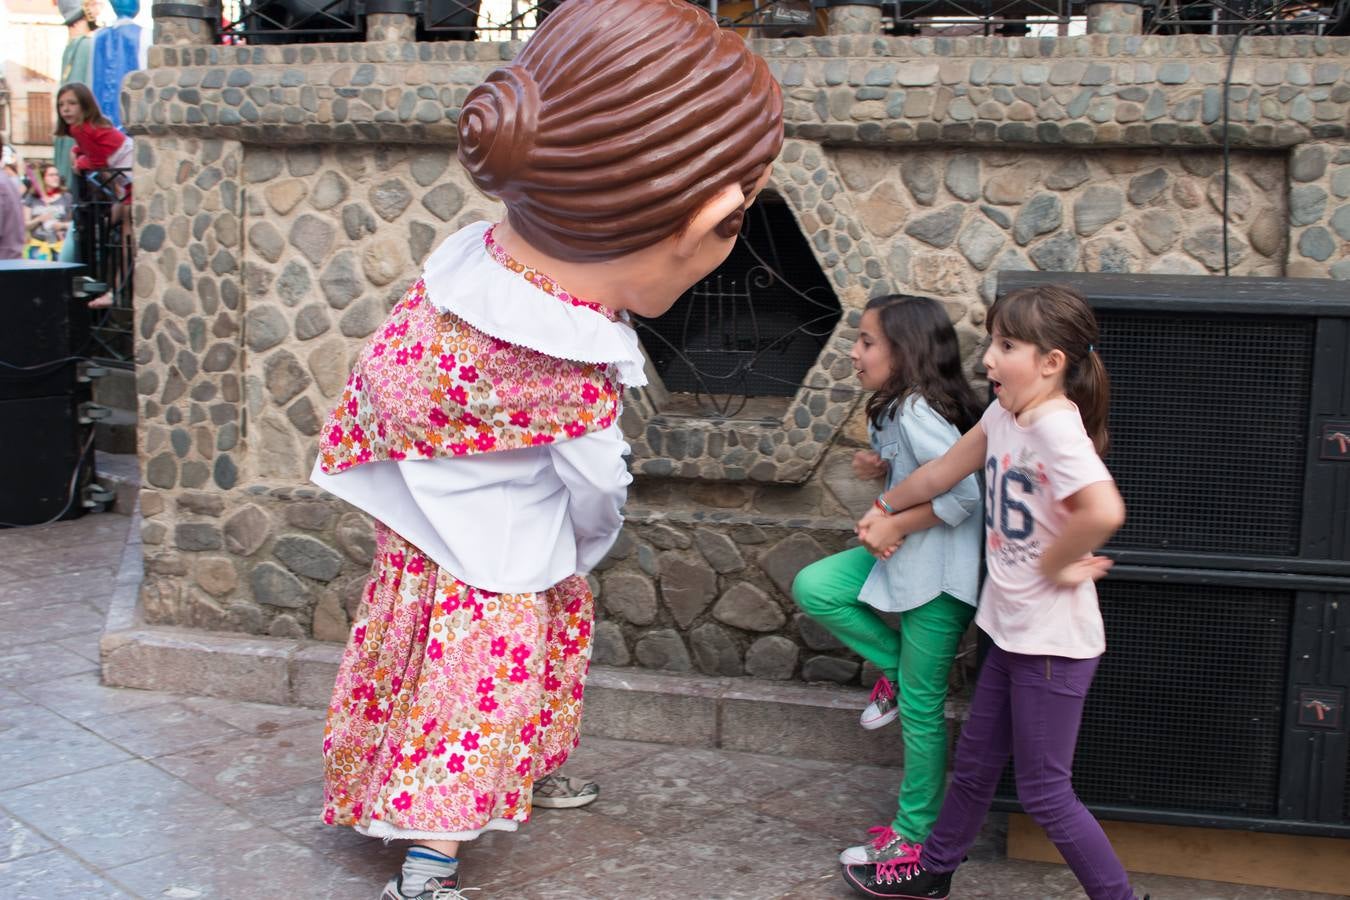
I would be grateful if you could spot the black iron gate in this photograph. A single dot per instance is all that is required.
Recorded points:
(105, 243)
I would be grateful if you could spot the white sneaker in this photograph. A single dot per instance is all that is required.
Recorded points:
(558, 791)
(885, 846)
(883, 708)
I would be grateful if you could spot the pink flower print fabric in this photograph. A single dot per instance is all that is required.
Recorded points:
(451, 701)
(427, 385)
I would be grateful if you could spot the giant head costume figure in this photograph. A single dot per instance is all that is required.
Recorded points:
(627, 141)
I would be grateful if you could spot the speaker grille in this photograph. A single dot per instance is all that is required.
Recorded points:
(1187, 709)
(1186, 712)
(1208, 429)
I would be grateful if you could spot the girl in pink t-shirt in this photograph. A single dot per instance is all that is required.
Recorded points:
(1049, 503)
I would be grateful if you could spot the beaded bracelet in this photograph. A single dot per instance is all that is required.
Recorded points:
(881, 504)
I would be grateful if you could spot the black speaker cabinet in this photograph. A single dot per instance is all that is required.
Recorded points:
(46, 455)
(1219, 702)
(45, 325)
(1230, 417)
(1221, 698)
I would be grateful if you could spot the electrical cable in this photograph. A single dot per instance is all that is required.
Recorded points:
(48, 365)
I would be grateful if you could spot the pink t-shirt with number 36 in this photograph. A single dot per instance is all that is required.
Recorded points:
(1028, 473)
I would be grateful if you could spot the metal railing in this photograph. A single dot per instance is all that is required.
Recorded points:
(1328, 17)
(105, 244)
(293, 21)
(977, 17)
(323, 21)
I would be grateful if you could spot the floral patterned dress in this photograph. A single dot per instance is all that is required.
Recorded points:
(451, 700)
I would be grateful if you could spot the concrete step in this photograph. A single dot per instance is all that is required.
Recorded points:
(814, 721)
(121, 474)
(747, 714)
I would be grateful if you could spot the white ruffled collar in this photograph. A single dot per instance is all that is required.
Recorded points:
(462, 278)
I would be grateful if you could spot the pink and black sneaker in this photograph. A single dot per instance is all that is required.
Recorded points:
(904, 878)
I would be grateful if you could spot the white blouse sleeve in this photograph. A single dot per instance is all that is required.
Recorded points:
(593, 469)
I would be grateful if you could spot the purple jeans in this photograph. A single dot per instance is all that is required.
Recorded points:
(1029, 707)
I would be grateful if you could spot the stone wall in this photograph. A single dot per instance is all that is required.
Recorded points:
(290, 193)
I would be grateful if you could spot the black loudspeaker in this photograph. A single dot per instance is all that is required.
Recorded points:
(45, 325)
(46, 444)
(47, 457)
(1221, 699)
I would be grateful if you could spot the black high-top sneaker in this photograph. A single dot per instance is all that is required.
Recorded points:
(903, 879)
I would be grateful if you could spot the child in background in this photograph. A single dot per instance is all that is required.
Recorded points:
(1050, 503)
(98, 143)
(98, 146)
(907, 353)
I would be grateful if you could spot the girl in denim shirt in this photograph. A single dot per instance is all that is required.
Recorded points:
(907, 353)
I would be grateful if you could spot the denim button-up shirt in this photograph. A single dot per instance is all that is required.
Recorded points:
(941, 559)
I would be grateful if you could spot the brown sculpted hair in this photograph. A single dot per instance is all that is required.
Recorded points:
(617, 122)
(1054, 317)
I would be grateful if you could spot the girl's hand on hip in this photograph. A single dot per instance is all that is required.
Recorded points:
(1089, 568)
(868, 464)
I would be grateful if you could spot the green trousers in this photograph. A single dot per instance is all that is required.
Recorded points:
(917, 659)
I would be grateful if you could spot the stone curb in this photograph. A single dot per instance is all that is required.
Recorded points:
(746, 714)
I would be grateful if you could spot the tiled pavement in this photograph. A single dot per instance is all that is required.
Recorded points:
(114, 793)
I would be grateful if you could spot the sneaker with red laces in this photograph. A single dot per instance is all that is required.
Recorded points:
(900, 879)
(882, 709)
(886, 843)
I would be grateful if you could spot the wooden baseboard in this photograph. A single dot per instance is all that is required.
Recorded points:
(1291, 862)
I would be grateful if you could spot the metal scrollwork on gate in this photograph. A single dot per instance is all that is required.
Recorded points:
(102, 230)
(754, 327)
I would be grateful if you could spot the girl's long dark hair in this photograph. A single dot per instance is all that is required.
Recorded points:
(88, 105)
(925, 361)
(1054, 317)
